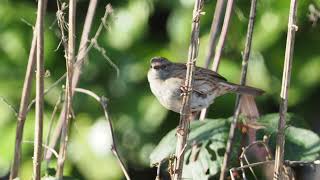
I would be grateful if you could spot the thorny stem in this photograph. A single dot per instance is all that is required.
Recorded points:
(103, 102)
(39, 93)
(68, 91)
(245, 61)
(24, 102)
(185, 114)
(292, 28)
(215, 28)
(223, 35)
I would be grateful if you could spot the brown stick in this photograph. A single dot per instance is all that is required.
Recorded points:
(77, 70)
(215, 28)
(185, 114)
(24, 103)
(39, 93)
(103, 102)
(223, 35)
(292, 28)
(68, 91)
(245, 61)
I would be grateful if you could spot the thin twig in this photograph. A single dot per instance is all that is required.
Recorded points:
(23, 109)
(215, 28)
(46, 147)
(223, 35)
(185, 114)
(39, 93)
(54, 112)
(11, 107)
(252, 165)
(103, 102)
(68, 91)
(245, 61)
(158, 171)
(247, 161)
(292, 28)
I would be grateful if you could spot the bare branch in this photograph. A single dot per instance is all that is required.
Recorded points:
(68, 91)
(245, 60)
(185, 114)
(292, 28)
(103, 102)
(38, 130)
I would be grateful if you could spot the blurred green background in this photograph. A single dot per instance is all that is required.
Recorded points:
(139, 30)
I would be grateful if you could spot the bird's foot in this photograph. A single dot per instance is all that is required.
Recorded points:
(184, 90)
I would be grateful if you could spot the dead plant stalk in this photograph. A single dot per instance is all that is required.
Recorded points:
(24, 102)
(292, 28)
(245, 61)
(68, 91)
(39, 93)
(185, 114)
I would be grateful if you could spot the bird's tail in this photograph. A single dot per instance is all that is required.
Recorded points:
(243, 89)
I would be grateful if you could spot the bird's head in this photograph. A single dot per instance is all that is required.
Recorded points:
(160, 67)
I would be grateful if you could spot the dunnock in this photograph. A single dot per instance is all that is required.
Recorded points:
(167, 79)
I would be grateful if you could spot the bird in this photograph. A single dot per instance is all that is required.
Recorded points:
(166, 80)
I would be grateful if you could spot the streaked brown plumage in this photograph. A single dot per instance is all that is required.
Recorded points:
(167, 78)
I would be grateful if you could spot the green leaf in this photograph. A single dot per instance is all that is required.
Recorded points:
(210, 135)
(300, 143)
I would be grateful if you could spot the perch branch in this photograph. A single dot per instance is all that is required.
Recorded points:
(39, 93)
(103, 102)
(292, 28)
(185, 114)
(24, 103)
(68, 90)
(215, 28)
(245, 61)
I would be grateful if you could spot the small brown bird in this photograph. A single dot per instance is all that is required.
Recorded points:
(167, 79)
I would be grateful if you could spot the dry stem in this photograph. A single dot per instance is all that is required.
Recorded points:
(215, 28)
(292, 28)
(245, 61)
(39, 93)
(24, 103)
(185, 114)
(103, 102)
(223, 35)
(68, 91)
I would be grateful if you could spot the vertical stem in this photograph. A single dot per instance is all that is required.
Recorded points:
(25, 97)
(245, 60)
(39, 93)
(221, 41)
(77, 70)
(185, 114)
(215, 28)
(223, 35)
(292, 28)
(68, 94)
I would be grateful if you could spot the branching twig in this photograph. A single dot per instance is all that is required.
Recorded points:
(292, 28)
(68, 91)
(39, 93)
(46, 147)
(245, 61)
(11, 107)
(215, 28)
(103, 102)
(185, 114)
(82, 53)
(24, 103)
